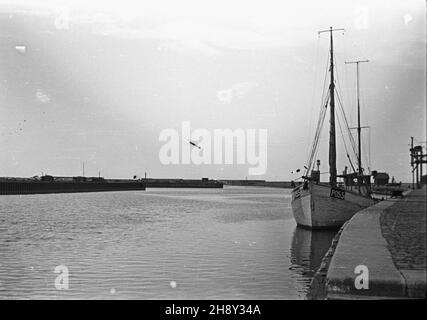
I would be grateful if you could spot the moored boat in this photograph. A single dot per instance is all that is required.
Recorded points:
(329, 205)
(322, 206)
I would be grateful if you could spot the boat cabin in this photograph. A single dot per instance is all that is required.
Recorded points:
(380, 178)
(353, 180)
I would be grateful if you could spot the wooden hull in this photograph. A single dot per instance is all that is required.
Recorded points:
(316, 206)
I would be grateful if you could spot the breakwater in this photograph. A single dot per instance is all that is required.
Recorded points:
(182, 183)
(259, 183)
(33, 186)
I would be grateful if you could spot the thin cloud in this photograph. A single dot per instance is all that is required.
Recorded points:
(42, 97)
(237, 91)
(21, 49)
(225, 96)
(189, 35)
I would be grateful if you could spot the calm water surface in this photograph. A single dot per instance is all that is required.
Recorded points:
(231, 243)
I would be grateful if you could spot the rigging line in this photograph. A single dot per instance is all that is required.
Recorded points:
(345, 145)
(314, 88)
(321, 111)
(351, 163)
(370, 155)
(337, 74)
(315, 156)
(310, 151)
(352, 145)
(338, 90)
(347, 84)
(317, 135)
(316, 147)
(313, 148)
(353, 142)
(363, 103)
(365, 154)
(325, 89)
(318, 131)
(342, 135)
(362, 100)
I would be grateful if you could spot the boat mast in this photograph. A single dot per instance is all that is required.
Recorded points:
(332, 144)
(359, 128)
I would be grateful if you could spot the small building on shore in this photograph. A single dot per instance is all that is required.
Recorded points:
(380, 178)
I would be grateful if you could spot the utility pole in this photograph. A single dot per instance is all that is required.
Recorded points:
(421, 164)
(412, 161)
(359, 128)
(416, 168)
(418, 158)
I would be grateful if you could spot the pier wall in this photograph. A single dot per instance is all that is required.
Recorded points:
(259, 183)
(182, 183)
(37, 187)
(389, 240)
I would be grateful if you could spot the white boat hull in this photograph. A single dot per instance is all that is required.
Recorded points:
(315, 206)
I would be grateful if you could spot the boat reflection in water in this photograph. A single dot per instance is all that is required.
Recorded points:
(307, 251)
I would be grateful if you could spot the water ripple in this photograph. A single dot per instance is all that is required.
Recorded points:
(231, 243)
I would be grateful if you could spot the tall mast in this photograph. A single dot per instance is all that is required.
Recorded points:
(332, 144)
(359, 128)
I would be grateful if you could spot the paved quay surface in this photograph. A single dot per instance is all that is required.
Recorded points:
(389, 239)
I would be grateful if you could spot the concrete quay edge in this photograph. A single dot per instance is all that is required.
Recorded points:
(361, 243)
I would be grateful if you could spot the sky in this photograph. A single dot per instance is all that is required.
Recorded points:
(96, 82)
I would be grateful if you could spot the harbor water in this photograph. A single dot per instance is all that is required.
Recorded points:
(231, 243)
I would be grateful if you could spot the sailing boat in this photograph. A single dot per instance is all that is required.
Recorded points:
(329, 205)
